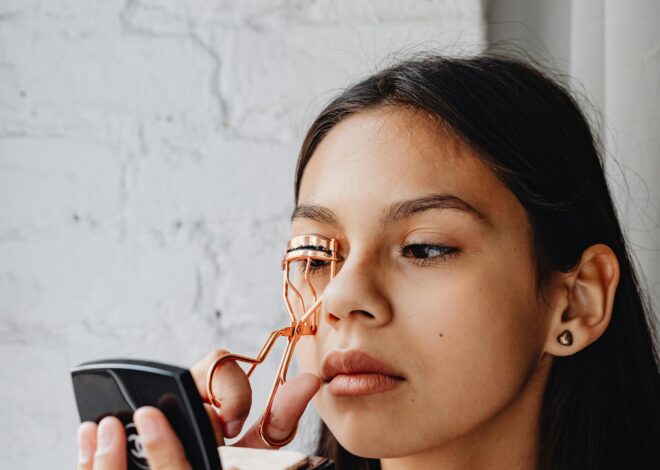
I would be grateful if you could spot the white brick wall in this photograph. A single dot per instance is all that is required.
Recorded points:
(147, 151)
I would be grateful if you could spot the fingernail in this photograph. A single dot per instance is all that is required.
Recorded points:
(106, 437)
(234, 427)
(147, 427)
(85, 444)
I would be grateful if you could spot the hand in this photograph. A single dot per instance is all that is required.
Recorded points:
(103, 447)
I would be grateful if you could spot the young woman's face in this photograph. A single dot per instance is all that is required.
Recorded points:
(437, 280)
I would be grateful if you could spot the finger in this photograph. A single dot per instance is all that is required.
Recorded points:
(231, 386)
(215, 424)
(161, 444)
(86, 445)
(110, 445)
(288, 406)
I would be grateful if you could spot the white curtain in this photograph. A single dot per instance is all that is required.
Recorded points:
(611, 51)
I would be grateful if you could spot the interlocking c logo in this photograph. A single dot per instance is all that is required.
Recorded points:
(134, 446)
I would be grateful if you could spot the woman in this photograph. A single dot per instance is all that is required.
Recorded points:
(483, 267)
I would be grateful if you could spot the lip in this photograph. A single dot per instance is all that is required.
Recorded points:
(355, 372)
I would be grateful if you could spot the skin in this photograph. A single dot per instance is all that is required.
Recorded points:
(470, 332)
(460, 316)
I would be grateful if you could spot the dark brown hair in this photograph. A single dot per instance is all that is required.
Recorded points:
(601, 405)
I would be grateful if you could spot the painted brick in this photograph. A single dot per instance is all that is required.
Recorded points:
(147, 151)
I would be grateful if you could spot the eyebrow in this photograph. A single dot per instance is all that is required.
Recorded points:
(317, 213)
(396, 211)
(401, 210)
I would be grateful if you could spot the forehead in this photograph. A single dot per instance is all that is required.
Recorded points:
(379, 156)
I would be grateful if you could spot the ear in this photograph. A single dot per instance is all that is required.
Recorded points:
(584, 306)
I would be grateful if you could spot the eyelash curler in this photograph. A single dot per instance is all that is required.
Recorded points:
(307, 254)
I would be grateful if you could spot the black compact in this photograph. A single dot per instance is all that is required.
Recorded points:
(118, 387)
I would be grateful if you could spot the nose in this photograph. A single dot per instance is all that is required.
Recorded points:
(356, 294)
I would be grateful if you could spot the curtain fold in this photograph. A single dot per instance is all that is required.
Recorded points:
(611, 51)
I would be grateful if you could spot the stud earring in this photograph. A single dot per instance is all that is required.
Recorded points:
(566, 338)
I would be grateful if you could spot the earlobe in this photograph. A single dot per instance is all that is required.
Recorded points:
(585, 312)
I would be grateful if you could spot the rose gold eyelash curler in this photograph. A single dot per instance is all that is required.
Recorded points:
(306, 254)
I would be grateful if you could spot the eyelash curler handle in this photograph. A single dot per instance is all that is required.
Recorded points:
(263, 353)
(304, 247)
(293, 334)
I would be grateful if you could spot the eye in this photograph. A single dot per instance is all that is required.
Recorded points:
(424, 253)
(316, 265)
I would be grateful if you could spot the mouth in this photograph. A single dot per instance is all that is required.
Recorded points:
(355, 372)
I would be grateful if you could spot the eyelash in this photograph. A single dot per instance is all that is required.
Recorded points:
(445, 253)
(323, 264)
(315, 264)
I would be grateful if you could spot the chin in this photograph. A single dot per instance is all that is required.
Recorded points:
(374, 450)
(369, 446)
(364, 438)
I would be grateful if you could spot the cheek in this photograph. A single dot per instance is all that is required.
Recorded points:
(479, 335)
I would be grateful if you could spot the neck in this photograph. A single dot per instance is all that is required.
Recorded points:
(509, 440)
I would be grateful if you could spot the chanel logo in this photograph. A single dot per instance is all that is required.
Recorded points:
(136, 452)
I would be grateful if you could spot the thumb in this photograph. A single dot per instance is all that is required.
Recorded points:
(288, 406)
